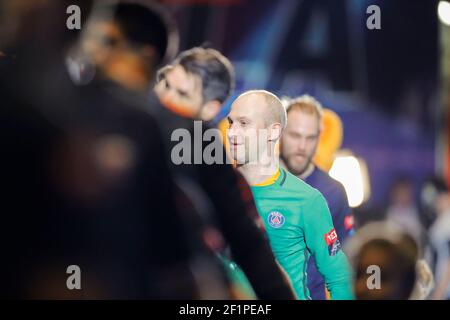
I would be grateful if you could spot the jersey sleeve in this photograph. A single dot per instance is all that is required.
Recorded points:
(249, 246)
(323, 243)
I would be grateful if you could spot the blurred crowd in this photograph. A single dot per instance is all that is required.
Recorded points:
(88, 178)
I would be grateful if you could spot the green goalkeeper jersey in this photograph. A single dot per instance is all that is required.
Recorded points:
(298, 223)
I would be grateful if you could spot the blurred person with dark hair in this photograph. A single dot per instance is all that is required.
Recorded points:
(82, 184)
(197, 83)
(384, 256)
(298, 146)
(215, 189)
(435, 196)
(126, 42)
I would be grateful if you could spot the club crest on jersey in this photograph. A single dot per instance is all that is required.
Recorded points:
(332, 241)
(276, 219)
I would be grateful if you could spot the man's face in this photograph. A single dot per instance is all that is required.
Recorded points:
(246, 125)
(103, 42)
(402, 195)
(181, 91)
(299, 141)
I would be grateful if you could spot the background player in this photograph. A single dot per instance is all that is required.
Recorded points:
(196, 84)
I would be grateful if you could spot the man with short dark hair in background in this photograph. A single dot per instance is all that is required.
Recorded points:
(197, 83)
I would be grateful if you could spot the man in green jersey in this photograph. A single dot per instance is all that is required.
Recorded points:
(296, 216)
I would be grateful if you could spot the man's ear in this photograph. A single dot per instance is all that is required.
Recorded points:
(275, 132)
(210, 110)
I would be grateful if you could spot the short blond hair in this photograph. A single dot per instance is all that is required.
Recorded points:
(276, 110)
(306, 104)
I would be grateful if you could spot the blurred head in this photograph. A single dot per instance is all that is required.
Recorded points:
(196, 83)
(300, 139)
(127, 42)
(391, 251)
(256, 121)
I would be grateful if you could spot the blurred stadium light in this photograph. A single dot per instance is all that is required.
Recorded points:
(444, 12)
(352, 173)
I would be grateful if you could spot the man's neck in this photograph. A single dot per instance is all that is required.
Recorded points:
(308, 171)
(257, 173)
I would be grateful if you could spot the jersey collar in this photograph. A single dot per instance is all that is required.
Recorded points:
(269, 181)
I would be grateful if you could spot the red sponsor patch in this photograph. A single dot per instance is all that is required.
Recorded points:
(349, 222)
(331, 237)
